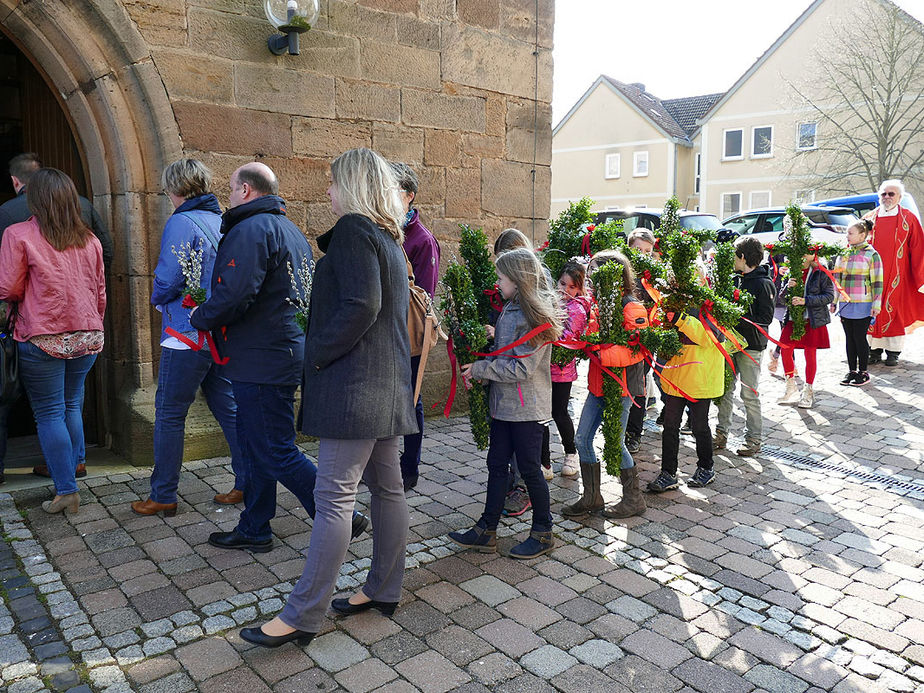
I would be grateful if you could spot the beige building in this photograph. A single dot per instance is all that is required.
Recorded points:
(756, 145)
(622, 146)
(113, 90)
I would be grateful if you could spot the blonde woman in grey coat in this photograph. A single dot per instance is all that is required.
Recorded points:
(356, 397)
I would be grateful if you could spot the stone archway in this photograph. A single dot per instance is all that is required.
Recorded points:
(93, 56)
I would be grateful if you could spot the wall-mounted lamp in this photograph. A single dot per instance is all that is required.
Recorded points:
(291, 17)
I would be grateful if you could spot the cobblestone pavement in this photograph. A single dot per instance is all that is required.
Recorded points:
(798, 570)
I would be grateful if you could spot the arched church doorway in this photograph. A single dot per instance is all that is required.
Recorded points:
(32, 120)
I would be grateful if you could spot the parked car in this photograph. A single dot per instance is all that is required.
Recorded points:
(861, 204)
(650, 218)
(827, 224)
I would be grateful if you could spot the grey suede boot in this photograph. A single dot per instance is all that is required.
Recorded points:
(632, 503)
(591, 500)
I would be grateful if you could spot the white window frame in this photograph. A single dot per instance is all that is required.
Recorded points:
(606, 166)
(697, 173)
(636, 158)
(769, 154)
(799, 135)
(725, 156)
(722, 197)
(754, 205)
(806, 198)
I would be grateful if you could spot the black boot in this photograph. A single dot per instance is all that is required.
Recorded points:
(875, 356)
(891, 358)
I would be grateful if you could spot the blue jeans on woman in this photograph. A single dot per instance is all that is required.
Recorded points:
(182, 373)
(591, 419)
(55, 389)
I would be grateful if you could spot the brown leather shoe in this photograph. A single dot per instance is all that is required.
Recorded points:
(149, 507)
(42, 470)
(233, 497)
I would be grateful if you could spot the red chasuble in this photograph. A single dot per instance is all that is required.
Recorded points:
(900, 242)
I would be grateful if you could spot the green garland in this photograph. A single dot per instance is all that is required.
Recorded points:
(473, 247)
(567, 232)
(684, 291)
(722, 278)
(795, 244)
(467, 331)
(609, 290)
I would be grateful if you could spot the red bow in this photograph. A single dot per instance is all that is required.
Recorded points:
(736, 294)
(189, 301)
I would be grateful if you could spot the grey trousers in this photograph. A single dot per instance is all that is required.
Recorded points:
(341, 465)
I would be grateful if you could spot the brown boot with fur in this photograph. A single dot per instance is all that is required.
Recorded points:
(633, 502)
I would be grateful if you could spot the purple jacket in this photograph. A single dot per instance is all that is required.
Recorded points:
(424, 253)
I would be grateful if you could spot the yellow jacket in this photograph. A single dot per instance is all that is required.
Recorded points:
(703, 380)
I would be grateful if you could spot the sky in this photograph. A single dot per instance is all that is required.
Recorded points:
(675, 48)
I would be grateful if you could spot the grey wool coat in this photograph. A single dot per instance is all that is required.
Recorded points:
(357, 375)
(511, 378)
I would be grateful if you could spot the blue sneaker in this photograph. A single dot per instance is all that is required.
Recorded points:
(701, 477)
(663, 482)
(478, 538)
(538, 543)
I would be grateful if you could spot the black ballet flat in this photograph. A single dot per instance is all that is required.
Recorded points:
(343, 606)
(258, 637)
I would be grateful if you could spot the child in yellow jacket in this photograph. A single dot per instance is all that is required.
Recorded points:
(701, 379)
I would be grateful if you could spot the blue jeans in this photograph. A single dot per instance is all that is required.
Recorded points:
(266, 435)
(591, 419)
(410, 458)
(525, 439)
(55, 389)
(182, 373)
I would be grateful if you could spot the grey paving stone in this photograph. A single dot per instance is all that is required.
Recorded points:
(710, 678)
(490, 590)
(775, 680)
(547, 661)
(597, 653)
(430, 671)
(336, 651)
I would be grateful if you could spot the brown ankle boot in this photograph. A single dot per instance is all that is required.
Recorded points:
(232, 497)
(633, 502)
(149, 507)
(591, 500)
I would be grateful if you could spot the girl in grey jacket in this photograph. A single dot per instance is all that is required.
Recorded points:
(520, 396)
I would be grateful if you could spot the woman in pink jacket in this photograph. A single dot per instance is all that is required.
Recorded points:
(52, 266)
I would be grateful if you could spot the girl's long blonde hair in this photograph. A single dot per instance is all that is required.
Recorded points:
(366, 185)
(536, 298)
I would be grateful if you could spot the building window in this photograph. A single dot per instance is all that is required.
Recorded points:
(807, 136)
(804, 197)
(640, 164)
(762, 142)
(758, 199)
(734, 145)
(699, 172)
(731, 204)
(612, 166)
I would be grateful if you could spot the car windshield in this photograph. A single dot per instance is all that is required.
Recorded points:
(700, 221)
(844, 220)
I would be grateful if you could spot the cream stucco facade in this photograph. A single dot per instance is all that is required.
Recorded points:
(754, 146)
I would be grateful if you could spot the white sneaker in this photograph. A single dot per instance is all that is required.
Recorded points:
(791, 396)
(547, 473)
(808, 397)
(571, 465)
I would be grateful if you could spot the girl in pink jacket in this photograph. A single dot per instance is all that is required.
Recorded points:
(577, 306)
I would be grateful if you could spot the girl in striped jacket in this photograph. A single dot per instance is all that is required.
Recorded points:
(859, 271)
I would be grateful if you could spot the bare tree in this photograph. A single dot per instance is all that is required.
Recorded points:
(867, 96)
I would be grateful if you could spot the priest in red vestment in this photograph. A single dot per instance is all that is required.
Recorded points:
(899, 240)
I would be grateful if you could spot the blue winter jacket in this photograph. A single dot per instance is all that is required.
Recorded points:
(198, 222)
(247, 312)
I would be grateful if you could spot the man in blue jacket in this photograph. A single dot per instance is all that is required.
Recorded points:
(254, 327)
